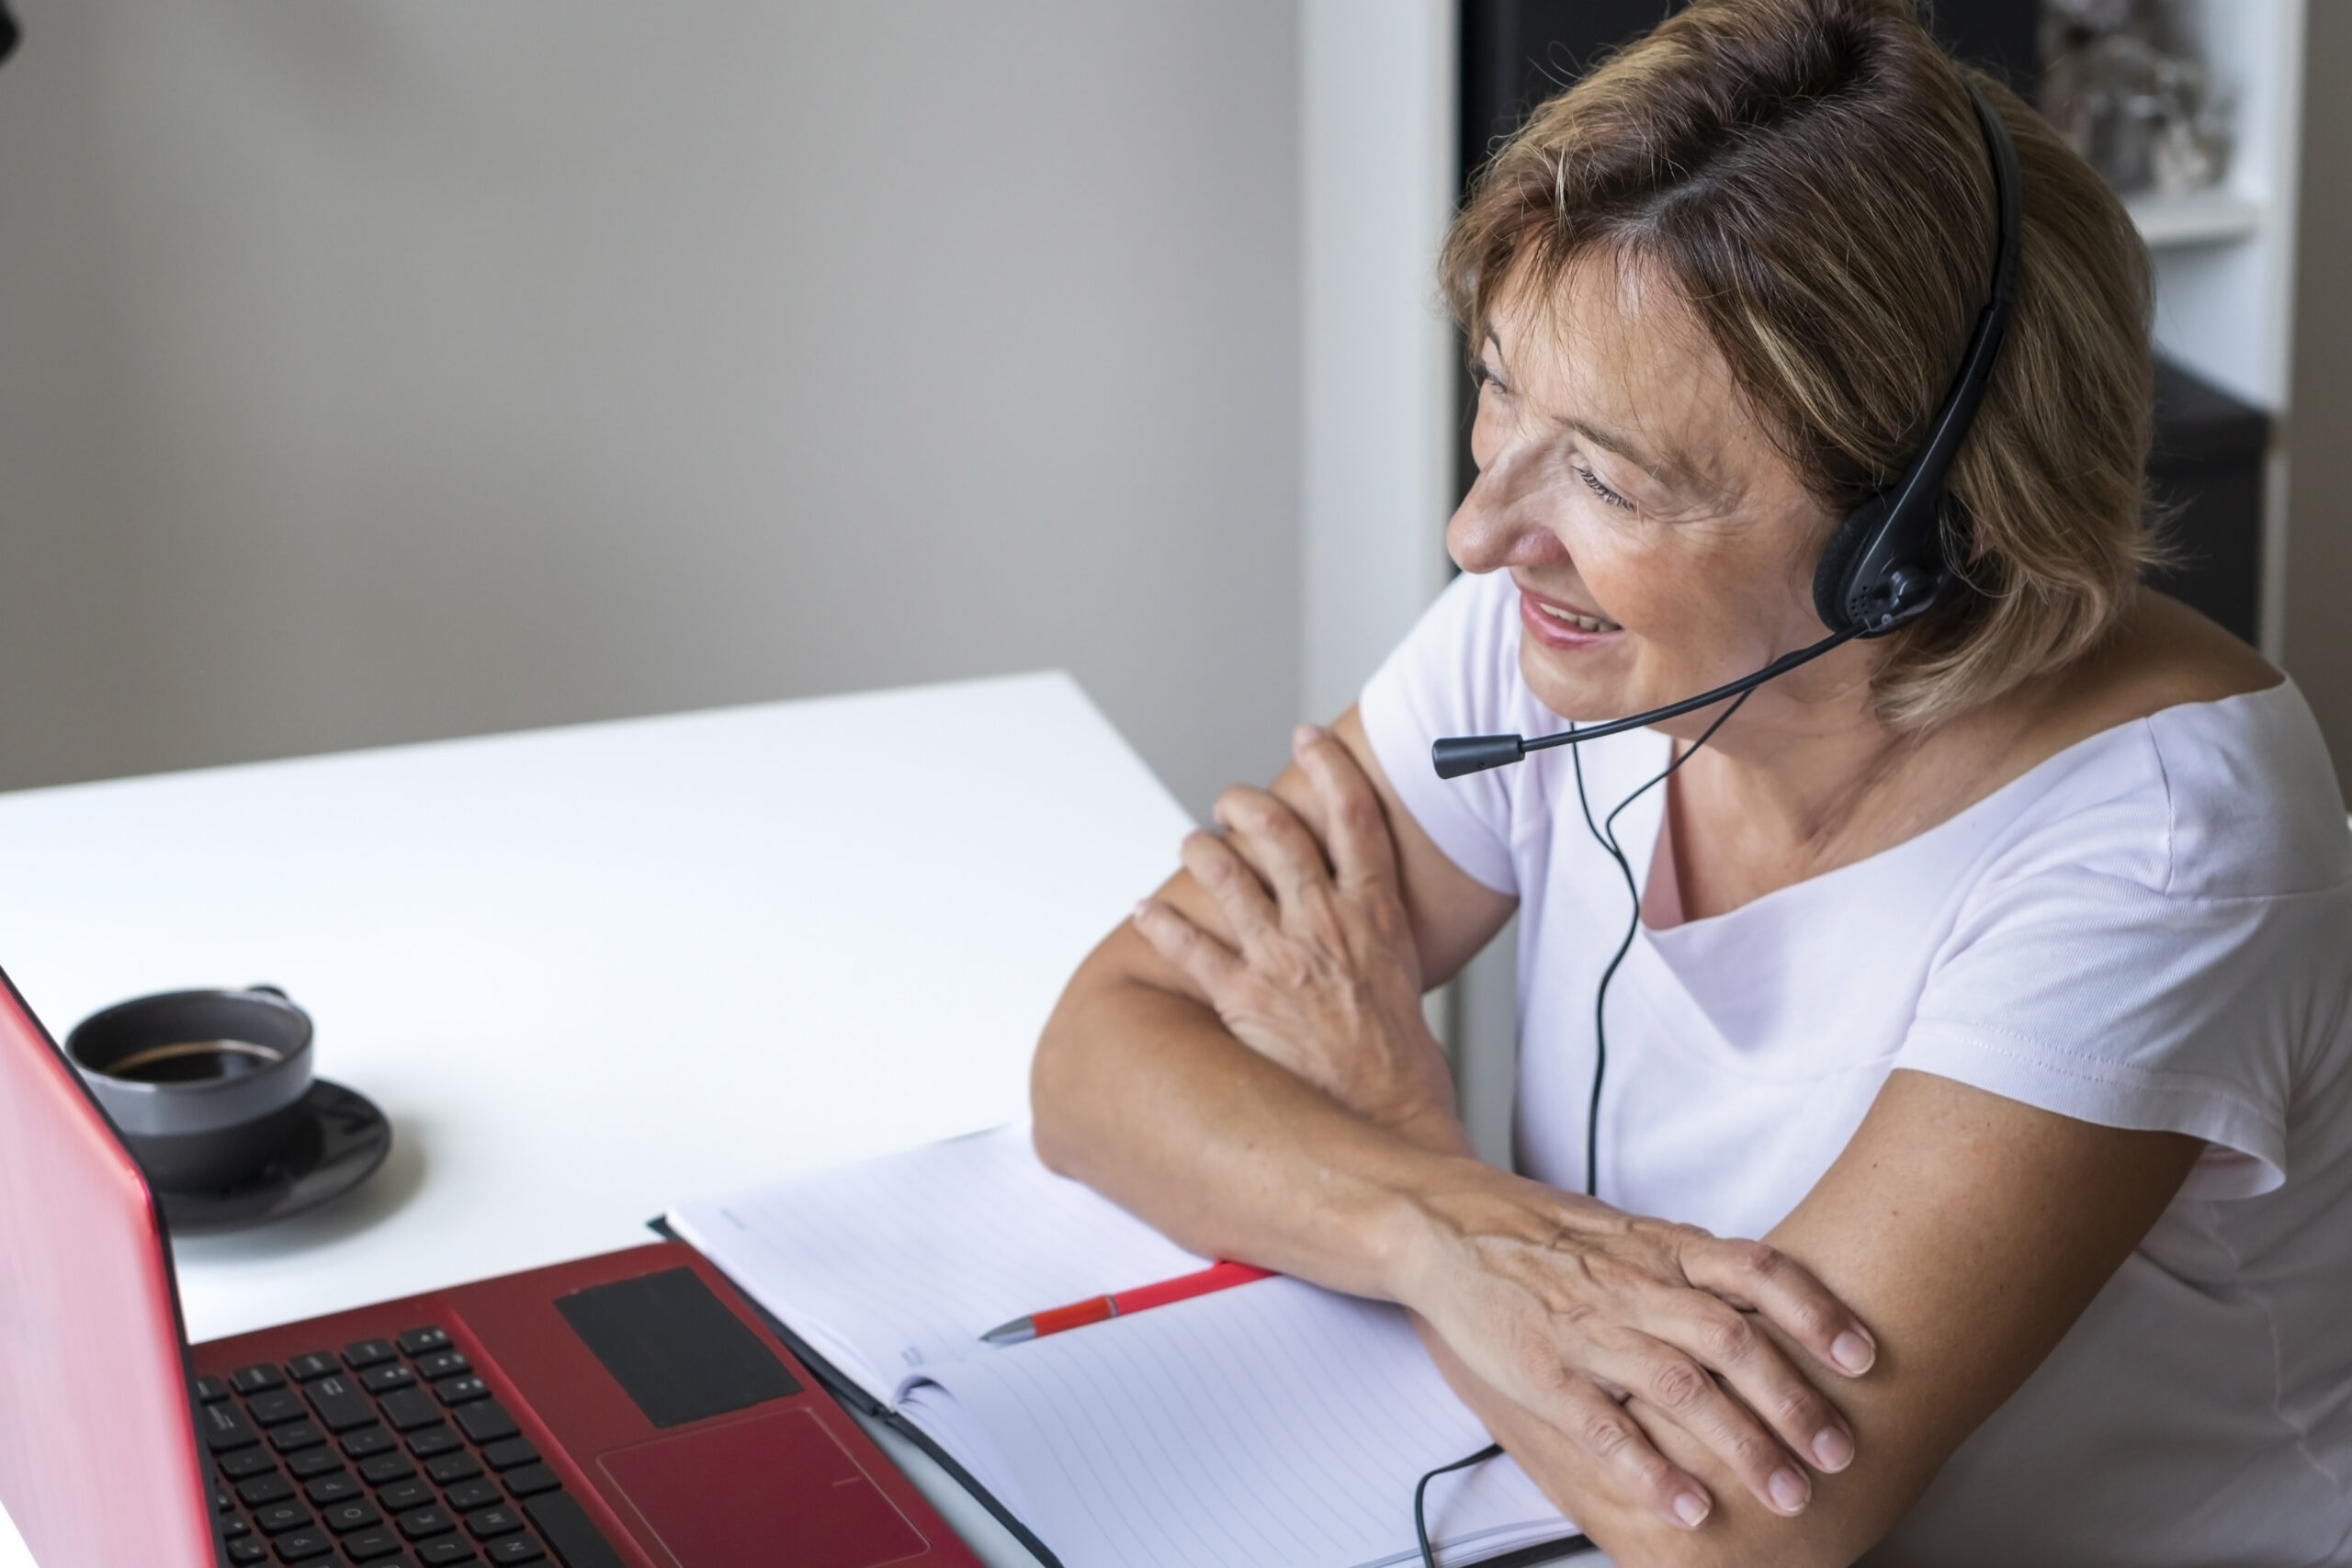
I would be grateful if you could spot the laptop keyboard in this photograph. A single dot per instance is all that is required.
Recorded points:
(392, 1454)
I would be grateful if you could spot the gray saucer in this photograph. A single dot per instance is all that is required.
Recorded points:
(341, 1139)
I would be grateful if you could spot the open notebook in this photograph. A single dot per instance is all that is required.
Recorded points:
(1273, 1424)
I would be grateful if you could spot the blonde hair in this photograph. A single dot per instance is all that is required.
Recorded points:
(1810, 175)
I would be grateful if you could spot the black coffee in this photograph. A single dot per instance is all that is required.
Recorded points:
(194, 1061)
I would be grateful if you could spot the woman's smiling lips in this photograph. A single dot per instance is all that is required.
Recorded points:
(1556, 625)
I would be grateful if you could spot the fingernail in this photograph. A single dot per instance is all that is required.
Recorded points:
(1143, 908)
(1854, 1351)
(1691, 1509)
(1833, 1449)
(1789, 1490)
(1305, 735)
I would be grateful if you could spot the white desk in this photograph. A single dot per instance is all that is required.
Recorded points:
(591, 971)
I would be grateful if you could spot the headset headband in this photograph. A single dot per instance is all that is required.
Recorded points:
(1889, 561)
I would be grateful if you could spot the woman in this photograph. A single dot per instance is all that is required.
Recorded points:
(1991, 972)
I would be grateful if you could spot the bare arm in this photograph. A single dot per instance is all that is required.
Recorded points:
(1245, 1065)
(1142, 1092)
(1972, 1231)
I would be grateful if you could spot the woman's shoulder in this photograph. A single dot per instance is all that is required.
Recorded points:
(2208, 752)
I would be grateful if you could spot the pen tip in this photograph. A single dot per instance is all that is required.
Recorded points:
(1012, 1333)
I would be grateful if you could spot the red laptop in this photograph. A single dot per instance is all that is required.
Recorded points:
(629, 1409)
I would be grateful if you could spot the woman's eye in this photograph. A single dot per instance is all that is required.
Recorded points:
(1592, 482)
(1483, 376)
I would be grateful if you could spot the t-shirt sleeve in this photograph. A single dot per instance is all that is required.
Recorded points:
(1455, 673)
(2100, 997)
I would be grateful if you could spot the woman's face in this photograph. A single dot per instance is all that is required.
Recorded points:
(1659, 543)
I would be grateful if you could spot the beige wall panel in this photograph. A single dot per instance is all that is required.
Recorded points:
(374, 370)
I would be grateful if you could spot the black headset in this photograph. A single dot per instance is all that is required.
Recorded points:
(1889, 562)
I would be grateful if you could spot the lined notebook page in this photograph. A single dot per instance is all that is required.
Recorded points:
(891, 1265)
(1274, 1424)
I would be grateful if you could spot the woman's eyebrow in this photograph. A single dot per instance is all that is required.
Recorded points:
(1665, 470)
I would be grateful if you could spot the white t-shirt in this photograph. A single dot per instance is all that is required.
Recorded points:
(2153, 929)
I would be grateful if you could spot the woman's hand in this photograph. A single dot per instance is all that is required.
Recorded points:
(1565, 1306)
(1571, 1308)
(1322, 976)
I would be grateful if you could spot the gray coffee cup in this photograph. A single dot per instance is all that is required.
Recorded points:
(205, 1085)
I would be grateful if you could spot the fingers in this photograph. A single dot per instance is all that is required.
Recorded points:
(1729, 1343)
(1205, 961)
(1601, 1427)
(1277, 844)
(1752, 1274)
(1678, 1386)
(1357, 828)
(1249, 914)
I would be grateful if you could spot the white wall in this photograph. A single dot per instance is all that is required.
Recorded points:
(381, 370)
(1379, 98)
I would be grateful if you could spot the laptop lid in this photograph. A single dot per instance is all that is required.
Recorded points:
(99, 1462)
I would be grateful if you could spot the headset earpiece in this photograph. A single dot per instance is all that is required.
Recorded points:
(1885, 566)
(1837, 557)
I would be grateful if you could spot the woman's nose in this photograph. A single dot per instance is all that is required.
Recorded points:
(1494, 528)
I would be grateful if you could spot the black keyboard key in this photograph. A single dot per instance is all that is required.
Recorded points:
(484, 1421)
(407, 1409)
(314, 1364)
(276, 1407)
(400, 1496)
(425, 1341)
(564, 1525)
(489, 1524)
(341, 1406)
(387, 1377)
(368, 1353)
(224, 1428)
(418, 1524)
(210, 1388)
(243, 1462)
(279, 1518)
(530, 1480)
(261, 1489)
(312, 1461)
(460, 1390)
(450, 1469)
(434, 1440)
(514, 1549)
(222, 1502)
(442, 1364)
(299, 1546)
(345, 1518)
(295, 1435)
(448, 1549)
(384, 1469)
(231, 1529)
(248, 1552)
(253, 1379)
(468, 1495)
(336, 1488)
(508, 1454)
(364, 1545)
(368, 1440)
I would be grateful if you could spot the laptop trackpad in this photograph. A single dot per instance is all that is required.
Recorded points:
(773, 1488)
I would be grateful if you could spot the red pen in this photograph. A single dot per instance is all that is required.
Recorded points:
(1218, 1276)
